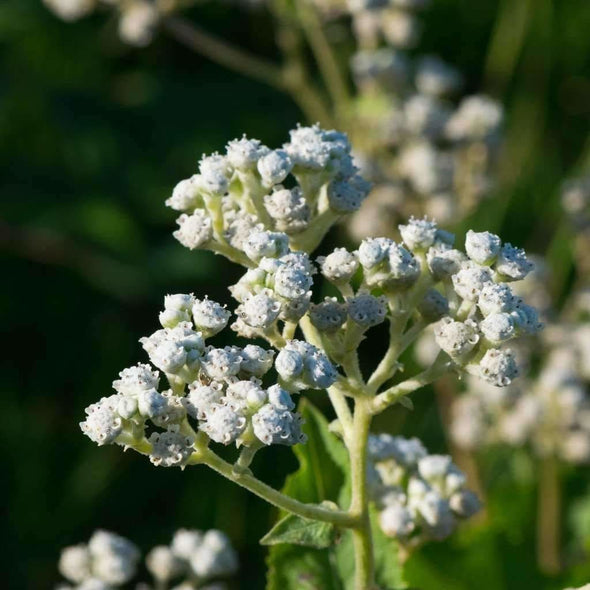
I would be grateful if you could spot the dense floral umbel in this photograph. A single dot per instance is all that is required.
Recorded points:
(419, 496)
(194, 559)
(301, 190)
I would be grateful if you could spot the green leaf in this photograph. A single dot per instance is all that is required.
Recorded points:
(301, 531)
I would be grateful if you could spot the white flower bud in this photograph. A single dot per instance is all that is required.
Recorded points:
(404, 451)
(367, 310)
(435, 77)
(170, 448)
(498, 367)
(74, 563)
(186, 195)
(169, 356)
(136, 379)
(259, 311)
(419, 234)
(244, 396)
(214, 556)
(266, 244)
(288, 209)
(209, 316)
(495, 298)
(274, 167)
(476, 118)
(215, 174)
(512, 263)
(70, 10)
(280, 398)
(346, 196)
(292, 282)
(201, 399)
(339, 266)
(194, 230)
(526, 319)
(470, 280)
(303, 366)
(151, 403)
(185, 542)
(433, 306)
(465, 503)
(275, 426)
(221, 363)
(244, 153)
(456, 338)
(396, 521)
(103, 424)
(328, 316)
(437, 515)
(223, 425)
(113, 569)
(162, 564)
(400, 28)
(482, 247)
(238, 226)
(444, 262)
(498, 327)
(138, 22)
(373, 251)
(256, 361)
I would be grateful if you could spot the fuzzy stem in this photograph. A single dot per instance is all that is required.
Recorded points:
(272, 496)
(364, 575)
(324, 55)
(548, 517)
(393, 394)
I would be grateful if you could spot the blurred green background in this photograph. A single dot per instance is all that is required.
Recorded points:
(93, 136)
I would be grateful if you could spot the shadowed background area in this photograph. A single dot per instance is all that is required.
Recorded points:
(94, 135)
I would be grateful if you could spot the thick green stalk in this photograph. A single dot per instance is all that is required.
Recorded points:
(272, 496)
(364, 571)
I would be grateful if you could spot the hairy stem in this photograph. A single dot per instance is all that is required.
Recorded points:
(364, 571)
(393, 394)
(272, 496)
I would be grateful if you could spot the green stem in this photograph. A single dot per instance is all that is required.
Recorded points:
(223, 53)
(272, 496)
(385, 399)
(326, 60)
(364, 571)
(548, 517)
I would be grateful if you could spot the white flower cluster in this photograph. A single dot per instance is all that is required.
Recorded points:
(221, 389)
(194, 559)
(193, 555)
(252, 188)
(424, 151)
(138, 19)
(419, 496)
(468, 294)
(550, 412)
(106, 561)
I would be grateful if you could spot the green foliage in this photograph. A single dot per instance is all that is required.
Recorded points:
(295, 530)
(323, 465)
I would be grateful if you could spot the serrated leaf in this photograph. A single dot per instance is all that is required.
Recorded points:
(301, 531)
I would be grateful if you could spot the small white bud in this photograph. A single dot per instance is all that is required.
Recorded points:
(512, 263)
(470, 280)
(482, 247)
(328, 316)
(103, 424)
(444, 262)
(433, 306)
(163, 564)
(223, 425)
(498, 327)
(465, 503)
(221, 363)
(274, 167)
(209, 316)
(201, 399)
(215, 174)
(74, 563)
(194, 230)
(396, 521)
(498, 367)
(170, 448)
(367, 310)
(495, 298)
(456, 338)
(186, 195)
(256, 361)
(266, 244)
(244, 153)
(185, 542)
(275, 426)
(419, 234)
(259, 311)
(339, 266)
(288, 209)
